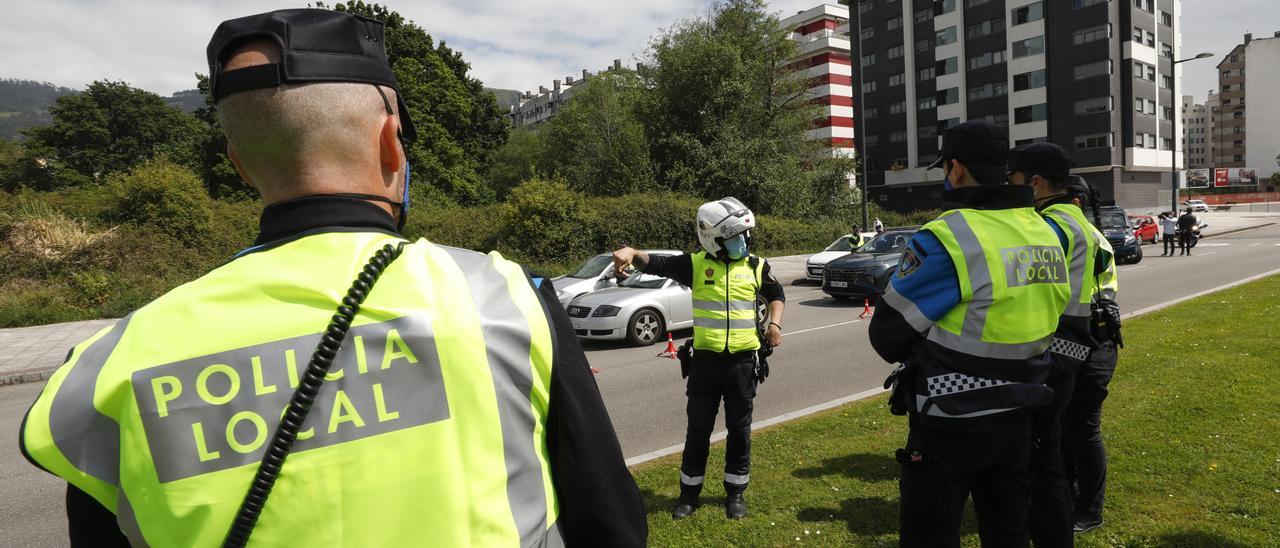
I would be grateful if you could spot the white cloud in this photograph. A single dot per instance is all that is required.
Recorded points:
(159, 45)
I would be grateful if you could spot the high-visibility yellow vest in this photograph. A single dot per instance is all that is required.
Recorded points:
(724, 303)
(430, 428)
(1083, 243)
(1013, 282)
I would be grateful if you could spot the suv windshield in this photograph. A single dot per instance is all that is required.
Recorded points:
(641, 280)
(593, 267)
(887, 242)
(1113, 219)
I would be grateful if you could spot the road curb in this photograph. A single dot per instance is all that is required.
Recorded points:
(24, 377)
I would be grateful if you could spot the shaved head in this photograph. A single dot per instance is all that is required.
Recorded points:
(300, 139)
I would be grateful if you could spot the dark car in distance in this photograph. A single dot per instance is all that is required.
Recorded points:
(1114, 224)
(865, 274)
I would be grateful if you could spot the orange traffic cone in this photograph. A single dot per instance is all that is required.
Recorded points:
(866, 309)
(670, 352)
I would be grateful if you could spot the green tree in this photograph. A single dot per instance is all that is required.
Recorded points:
(521, 158)
(112, 127)
(597, 142)
(458, 121)
(728, 116)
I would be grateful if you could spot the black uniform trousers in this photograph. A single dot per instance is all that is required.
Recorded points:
(951, 465)
(712, 377)
(1170, 243)
(1184, 241)
(1051, 502)
(1082, 434)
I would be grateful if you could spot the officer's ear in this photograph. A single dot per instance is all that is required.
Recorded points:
(391, 153)
(1077, 202)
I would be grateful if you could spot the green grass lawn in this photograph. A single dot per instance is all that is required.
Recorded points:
(1192, 427)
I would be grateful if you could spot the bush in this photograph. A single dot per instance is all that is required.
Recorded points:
(543, 221)
(165, 196)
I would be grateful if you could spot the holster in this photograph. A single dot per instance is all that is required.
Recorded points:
(685, 355)
(901, 383)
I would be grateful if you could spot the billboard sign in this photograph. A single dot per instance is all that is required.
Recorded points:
(1197, 178)
(1220, 177)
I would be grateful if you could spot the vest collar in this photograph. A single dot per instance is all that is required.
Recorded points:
(989, 197)
(290, 218)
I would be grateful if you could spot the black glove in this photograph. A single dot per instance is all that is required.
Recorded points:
(901, 382)
(762, 365)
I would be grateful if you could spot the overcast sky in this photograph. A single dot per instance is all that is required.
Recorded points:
(510, 44)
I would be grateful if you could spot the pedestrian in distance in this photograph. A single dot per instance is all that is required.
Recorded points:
(1060, 199)
(974, 354)
(726, 280)
(1187, 225)
(441, 400)
(1169, 229)
(878, 226)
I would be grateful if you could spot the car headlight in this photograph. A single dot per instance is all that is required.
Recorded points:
(605, 311)
(560, 293)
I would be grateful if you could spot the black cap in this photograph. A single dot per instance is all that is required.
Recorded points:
(316, 46)
(975, 140)
(1044, 159)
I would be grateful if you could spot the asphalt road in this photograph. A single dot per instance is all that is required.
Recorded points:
(825, 356)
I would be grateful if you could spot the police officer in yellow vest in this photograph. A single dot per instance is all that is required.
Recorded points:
(457, 408)
(725, 278)
(970, 314)
(1060, 198)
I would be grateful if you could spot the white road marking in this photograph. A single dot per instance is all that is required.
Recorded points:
(1212, 244)
(1255, 244)
(1134, 267)
(821, 327)
(1206, 254)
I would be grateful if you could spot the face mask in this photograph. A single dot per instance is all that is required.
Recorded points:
(736, 247)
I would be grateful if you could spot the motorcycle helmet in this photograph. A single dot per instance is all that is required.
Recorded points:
(723, 220)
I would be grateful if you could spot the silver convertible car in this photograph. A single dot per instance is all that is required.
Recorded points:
(641, 309)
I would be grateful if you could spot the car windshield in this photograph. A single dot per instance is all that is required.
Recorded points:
(841, 244)
(641, 280)
(1113, 219)
(593, 267)
(887, 242)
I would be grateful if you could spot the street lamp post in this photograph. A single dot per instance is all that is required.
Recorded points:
(1173, 89)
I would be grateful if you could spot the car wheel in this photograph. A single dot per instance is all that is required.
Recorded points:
(1137, 257)
(645, 328)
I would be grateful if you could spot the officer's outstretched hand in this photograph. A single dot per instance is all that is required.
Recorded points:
(622, 260)
(773, 335)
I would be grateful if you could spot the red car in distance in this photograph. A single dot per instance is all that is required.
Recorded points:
(1144, 228)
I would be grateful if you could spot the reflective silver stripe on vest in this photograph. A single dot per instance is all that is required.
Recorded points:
(975, 261)
(128, 521)
(910, 312)
(507, 347)
(89, 439)
(983, 349)
(719, 323)
(720, 305)
(1079, 259)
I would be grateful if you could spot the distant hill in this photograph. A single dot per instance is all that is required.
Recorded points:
(506, 98)
(25, 103)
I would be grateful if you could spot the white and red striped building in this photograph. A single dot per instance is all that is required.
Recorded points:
(822, 36)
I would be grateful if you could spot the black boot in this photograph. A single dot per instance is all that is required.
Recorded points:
(688, 501)
(735, 506)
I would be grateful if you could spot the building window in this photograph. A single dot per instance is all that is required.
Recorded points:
(945, 6)
(1144, 140)
(871, 140)
(1077, 4)
(1030, 46)
(1033, 113)
(897, 107)
(986, 59)
(948, 66)
(868, 87)
(1097, 140)
(1093, 106)
(998, 120)
(1166, 81)
(1091, 34)
(946, 36)
(1237, 115)
(866, 6)
(927, 73)
(1145, 5)
(868, 59)
(972, 3)
(988, 91)
(949, 122)
(927, 103)
(1140, 70)
(928, 132)
(1151, 72)
(1166, 19)
(924, 16)
(897, 79)
(1029, 80)
(1090, 70)
(923, 45)
(894, 52)
(1168, 113)
(1237, 158)
(1166, 143)
(948, 96)
(1030, 141)
(1144, 106)
(984, 28)
(1028, 13)
(867, 33)
(1166, 50)
(898, 136)
(1151, 39)
(893, 24)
